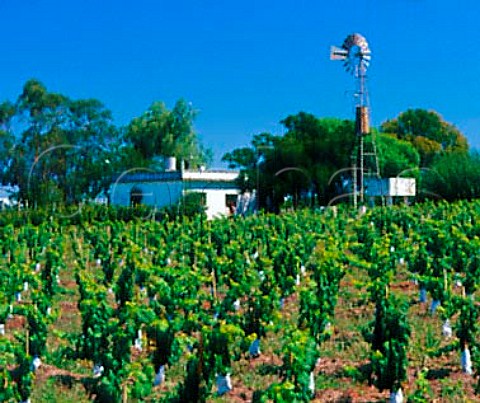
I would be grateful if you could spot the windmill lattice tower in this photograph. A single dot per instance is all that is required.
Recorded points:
(356, 56)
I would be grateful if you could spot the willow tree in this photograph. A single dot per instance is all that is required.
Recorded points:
(160, 132)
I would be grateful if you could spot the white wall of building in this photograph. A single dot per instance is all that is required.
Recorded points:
(163, 194)
(158, 194)
(216, 201)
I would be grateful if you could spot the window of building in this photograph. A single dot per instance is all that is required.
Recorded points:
(231, 202)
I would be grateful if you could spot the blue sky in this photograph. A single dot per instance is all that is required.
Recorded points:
(245, 65)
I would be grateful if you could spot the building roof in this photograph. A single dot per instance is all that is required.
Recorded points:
(172, 176)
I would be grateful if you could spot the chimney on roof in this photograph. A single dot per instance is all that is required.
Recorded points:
(170, 164)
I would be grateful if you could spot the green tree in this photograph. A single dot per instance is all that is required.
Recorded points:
(56, 149)
(252, 160)
(299, 164)
(395, 155)
(160, 132)
(428, 132)
(7, 138)
(455, 176)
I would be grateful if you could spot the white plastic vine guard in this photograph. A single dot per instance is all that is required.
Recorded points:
(38, 266)
(49, 311)
(447, 329)
(26, 401)
(18, 296)
(433, 307)
(138, 340)
(98, 262)
(297, 280)
(458, 283)
(224, 384)
(466, 362)
(25, 286)
(2, 329)
(254, 349)
(396, 397)
(97, 370)
(261, 274)
(236, 304)
(36, 363)
(401, 261)
(311, 384)
(423, 295)
(159, 376)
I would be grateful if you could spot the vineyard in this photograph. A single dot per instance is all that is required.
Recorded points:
(332, 306)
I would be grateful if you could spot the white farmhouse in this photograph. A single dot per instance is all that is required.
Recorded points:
(162, 189)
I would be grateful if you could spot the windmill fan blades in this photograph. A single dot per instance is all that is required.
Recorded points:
(354, 53)
(338, 53)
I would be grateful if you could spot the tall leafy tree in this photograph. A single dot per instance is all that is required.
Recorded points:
(428, 132)
(311, 161)
(252, 160)
(160, 132)
(299, 164)
(455, 176)
(396, 156)
(7, 138)
(61, 149)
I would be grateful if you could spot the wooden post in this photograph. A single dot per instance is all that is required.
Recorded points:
(124, 393)
(214, 285)
(27, 342)
(200, 354)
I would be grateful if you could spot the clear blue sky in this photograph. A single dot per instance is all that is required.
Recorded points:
(246, 64)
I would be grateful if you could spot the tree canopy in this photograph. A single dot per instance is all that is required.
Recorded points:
(454, 176)
(61, 150)
(160, 132)
(428, 133)
(312, 160)
(55, 149)
(395, 155)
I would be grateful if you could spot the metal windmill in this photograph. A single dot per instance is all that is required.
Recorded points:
(356, 56)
